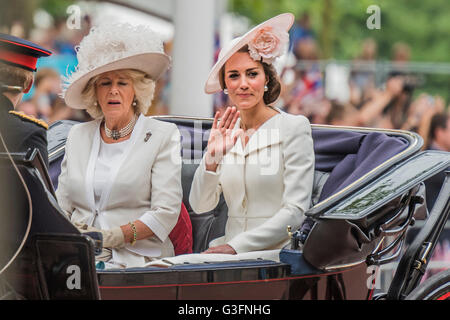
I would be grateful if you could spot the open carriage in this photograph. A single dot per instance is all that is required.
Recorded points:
(368, 191)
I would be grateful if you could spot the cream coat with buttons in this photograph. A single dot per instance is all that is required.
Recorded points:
(267, 185)
(147, 182)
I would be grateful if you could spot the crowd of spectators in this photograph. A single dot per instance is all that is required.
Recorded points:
(352, 95)
(356, 93)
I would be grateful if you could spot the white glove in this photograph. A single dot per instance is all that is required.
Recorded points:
(112, 238)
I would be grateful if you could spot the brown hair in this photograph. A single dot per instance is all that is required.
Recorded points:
(439, 120)
(15, 76)
(273, 84)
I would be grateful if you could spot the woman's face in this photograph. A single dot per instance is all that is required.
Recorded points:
(245, 80)
(115, 94)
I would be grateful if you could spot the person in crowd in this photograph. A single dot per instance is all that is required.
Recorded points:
(401, 53)
(301, 96)
(47, 87)
(388, 108)
(47, 101)
(121, 173)
(258, 156)
(60, 111)
(18, 60)
(160, 106)
(342, 114)
(300, 30)
(422, 110)
(362, 78)
(440, 132)
(439, 139)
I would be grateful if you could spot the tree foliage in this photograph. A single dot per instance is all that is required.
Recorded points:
(22, 11)
(56, 8)
(18, 11)
(340, 25)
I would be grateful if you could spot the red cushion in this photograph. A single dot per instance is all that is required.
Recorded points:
(181, 235)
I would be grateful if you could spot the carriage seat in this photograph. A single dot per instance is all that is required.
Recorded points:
(205, 226)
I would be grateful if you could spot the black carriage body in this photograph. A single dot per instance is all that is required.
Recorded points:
(348, 230)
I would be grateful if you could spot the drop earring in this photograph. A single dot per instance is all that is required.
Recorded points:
(225, 91)
(266, 88)
(134, 103)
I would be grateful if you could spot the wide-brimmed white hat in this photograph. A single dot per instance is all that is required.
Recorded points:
(110, 47)
(266, 41)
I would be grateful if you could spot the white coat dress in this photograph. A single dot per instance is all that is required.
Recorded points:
(267, 185)
(145, 184)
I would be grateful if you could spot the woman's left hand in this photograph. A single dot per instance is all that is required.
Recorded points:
(225, 248)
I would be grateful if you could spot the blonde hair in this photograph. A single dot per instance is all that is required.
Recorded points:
(15, 76)
(144, 89)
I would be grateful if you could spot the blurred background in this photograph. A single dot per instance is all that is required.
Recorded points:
(345, 65)
(371, 63)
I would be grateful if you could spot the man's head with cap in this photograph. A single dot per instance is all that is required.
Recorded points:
(18, 58)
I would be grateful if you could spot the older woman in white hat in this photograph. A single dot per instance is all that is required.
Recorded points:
(259, 157)
(121, 174)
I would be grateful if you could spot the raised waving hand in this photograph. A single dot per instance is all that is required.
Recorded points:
(221, 139)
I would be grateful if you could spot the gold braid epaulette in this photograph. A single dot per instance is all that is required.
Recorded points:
(29, 118)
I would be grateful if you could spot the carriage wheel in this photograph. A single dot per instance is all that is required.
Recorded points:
(436, 287)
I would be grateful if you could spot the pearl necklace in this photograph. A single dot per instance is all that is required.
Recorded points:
(117, 134)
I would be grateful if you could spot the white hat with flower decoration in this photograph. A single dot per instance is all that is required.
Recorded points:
(266, 42)
(114, 46)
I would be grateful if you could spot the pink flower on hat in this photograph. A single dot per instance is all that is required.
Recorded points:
(268, 44)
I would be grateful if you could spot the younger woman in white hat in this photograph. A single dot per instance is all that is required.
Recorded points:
(121, 173)
(259, 157)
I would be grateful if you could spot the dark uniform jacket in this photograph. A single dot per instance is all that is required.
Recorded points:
(21, 132)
